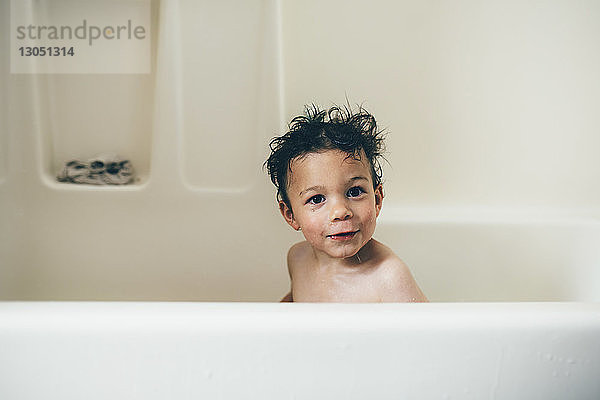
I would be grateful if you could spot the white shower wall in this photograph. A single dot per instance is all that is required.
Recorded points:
(188, 228)
(487, 103)
(491, 113)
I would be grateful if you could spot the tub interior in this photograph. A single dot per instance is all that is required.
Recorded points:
(491, 190)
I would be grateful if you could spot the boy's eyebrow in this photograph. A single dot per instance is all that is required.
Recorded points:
(316, 188)
(320, 187)
(356, 178)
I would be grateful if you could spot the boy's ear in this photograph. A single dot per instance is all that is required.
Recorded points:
(288, 215)
(378, 199)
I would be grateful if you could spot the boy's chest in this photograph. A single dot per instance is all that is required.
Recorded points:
(330, 288)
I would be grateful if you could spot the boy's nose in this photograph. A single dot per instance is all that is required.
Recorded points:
(340, 212)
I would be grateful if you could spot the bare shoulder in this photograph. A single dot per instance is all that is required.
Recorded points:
(384, 255)
(396, 274)
(298, 250)
(389, 263)
(297, 254)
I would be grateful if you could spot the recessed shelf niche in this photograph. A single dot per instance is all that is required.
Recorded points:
(82, 115)
(85, 115)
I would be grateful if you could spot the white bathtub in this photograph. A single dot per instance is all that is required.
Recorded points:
(515, 315)
(299, 351)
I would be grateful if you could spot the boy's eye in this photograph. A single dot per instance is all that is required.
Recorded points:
(316, 199)
(355, 191)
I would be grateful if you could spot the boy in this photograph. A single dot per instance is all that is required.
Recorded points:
(328, 180)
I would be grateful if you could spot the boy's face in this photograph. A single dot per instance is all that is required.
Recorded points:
(333, 202)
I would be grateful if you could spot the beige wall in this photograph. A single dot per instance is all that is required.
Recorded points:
(489, 105)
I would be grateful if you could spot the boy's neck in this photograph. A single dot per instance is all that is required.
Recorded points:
(344, 265)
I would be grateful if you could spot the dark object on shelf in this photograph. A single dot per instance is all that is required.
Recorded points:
(104, 169)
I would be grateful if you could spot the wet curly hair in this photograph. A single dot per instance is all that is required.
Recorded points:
(338, 128)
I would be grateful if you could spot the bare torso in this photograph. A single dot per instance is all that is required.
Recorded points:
(379, 277)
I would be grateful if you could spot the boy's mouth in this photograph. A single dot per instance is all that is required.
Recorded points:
(343, 235)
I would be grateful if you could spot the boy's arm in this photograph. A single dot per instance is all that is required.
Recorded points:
(292, 253)
(410, 290)
(287, 298)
